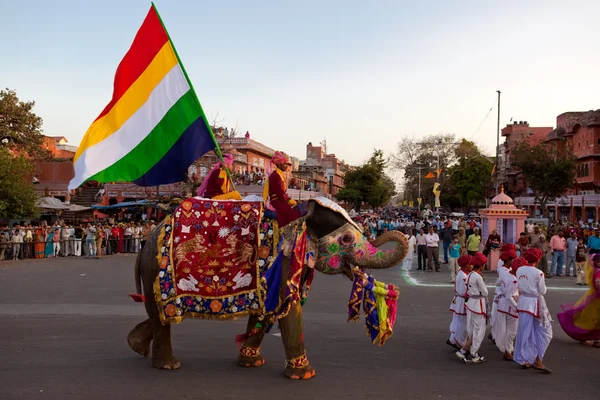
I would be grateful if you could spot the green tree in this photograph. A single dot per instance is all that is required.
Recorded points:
(469, 178)
(418, 156)
(549, 170)
(17, 194)
(20, 127)
(368, 184)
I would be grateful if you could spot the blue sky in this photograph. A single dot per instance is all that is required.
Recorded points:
(359, 74)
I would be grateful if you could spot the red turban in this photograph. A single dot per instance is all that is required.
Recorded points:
(508, 254)
(533, 255)
(479, 259)
(508, 247)
(464, 260)
(516, 264)
(280, 158)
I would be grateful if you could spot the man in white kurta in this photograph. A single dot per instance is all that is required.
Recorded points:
(534, 331)
(504, 325)
(506, 247)
(458, 326)
(477, 311)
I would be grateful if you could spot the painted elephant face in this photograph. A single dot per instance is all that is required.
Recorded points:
(346, 247)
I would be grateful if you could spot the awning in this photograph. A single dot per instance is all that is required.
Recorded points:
(51, 203)
(125, 204)
(77, 207)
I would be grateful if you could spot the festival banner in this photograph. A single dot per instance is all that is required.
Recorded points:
(154, 126)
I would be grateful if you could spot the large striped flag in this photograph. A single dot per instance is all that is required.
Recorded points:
(154, 126)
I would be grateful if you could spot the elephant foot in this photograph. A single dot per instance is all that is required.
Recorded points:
(139, 346)
(250, 357)
(170, 363)
(299, 368)
(304, 373)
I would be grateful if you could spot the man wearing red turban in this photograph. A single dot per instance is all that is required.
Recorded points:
(275, 191)
(534, 331)
(217, 185)
(458, 326)
(477, 311)
(504, 320)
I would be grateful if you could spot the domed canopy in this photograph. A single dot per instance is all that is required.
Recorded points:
(502, 199)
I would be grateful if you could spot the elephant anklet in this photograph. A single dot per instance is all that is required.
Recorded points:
(251, 352)
(298, 362)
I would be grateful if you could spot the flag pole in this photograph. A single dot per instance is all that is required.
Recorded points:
(187, 78)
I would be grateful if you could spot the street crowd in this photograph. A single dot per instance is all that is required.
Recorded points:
(61, 239)
(564, 246)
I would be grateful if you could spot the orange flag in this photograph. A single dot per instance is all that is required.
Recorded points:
(430, 175)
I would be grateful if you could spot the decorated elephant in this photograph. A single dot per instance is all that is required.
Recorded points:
(325, 239)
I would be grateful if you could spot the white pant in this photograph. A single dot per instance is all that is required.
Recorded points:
(407, 263)
(56, 249)
(476, 326)
(77, 247)
(458, 329)
(506, 331)
(453, 265)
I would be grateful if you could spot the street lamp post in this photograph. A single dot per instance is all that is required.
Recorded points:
(419, 168)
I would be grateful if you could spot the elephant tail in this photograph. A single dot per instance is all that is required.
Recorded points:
(138, 297)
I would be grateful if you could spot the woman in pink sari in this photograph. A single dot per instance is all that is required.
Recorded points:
(581, 321)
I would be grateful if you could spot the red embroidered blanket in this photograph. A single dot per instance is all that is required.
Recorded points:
(208, 261)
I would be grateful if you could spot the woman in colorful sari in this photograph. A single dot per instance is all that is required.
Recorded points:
(39, 242)
(49, 250)
(581, 321)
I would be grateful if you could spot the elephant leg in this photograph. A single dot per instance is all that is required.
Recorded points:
(140, 337)
(297, 365)
(250, 351)
(162, 353)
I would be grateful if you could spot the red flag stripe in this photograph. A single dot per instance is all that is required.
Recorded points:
(150, 38)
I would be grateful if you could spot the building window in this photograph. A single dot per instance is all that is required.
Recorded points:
(587, 170)
(587, 143)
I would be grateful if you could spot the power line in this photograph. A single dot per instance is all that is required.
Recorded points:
(486, 115)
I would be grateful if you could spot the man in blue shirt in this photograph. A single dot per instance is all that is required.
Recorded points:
(593, 243)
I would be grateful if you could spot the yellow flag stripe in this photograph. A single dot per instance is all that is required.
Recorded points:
(131, 101)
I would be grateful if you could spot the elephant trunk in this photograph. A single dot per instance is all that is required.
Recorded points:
(372, 257)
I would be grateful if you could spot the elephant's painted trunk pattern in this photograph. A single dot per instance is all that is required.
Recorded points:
(349, 243)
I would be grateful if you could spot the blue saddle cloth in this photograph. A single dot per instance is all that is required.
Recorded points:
(301, 207)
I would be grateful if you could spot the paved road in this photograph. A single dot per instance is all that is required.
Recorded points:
(65, 321)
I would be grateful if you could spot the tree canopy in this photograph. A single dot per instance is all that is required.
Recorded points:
(549, 170)
(17, 194)
(470, 177)
(368, 184)
(20, 127)
(464, 171)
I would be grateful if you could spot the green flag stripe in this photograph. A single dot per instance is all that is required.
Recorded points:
(154, 147)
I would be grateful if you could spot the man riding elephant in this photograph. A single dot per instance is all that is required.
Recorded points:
(217, 185)
(275, 191)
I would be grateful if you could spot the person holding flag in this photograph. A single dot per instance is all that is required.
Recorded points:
(217, 185)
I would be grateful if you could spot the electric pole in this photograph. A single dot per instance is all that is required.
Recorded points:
(498, 145)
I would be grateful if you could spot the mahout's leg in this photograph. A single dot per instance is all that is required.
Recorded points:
(250, 351)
